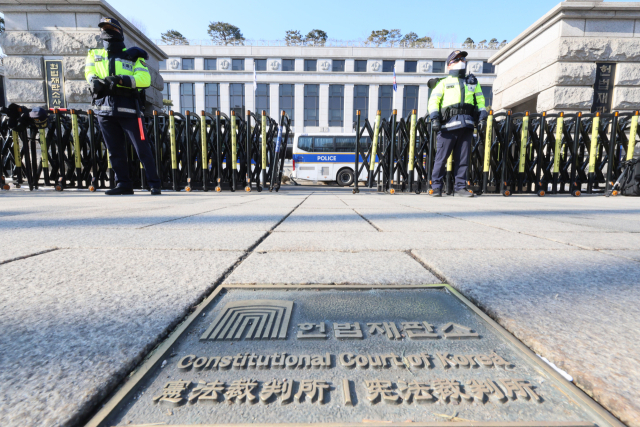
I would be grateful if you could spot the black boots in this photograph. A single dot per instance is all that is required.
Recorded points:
(119, 191)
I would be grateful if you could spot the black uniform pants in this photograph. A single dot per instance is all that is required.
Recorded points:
(115, 130)
(457, 142)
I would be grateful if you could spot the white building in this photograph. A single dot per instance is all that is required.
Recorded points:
(319, 87)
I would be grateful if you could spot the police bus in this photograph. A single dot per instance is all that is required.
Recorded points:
(327, 157)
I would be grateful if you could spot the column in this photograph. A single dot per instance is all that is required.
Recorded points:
(348, 107)
(397, 101)
(274, 101)
(373, 103)
(423, 100)
(174, 87)
(249, 97)
(225, 102)
(199, 90)
(299, 108)
(324, 106)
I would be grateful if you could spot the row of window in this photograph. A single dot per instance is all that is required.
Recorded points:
(360, 66)
(311, 100)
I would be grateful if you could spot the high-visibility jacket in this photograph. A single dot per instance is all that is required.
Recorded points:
(130, 65)
(456, 102)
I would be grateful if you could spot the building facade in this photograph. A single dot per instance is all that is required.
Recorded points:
(319, 87)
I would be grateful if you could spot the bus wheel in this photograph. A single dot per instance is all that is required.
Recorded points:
(344, 178)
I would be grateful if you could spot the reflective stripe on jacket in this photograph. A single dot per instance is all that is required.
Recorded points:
(448, 94)
(134, 72)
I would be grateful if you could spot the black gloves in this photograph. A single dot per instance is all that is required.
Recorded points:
(97, 87)
(483, 115)
(112, 82)
(435, 125)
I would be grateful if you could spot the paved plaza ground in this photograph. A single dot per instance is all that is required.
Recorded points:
(89, 284)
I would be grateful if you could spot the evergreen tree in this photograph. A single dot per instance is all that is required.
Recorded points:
(316, 38)
(173, 37)
(223, 33)
(293, 38)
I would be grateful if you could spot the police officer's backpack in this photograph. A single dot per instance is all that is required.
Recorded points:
(631, 184)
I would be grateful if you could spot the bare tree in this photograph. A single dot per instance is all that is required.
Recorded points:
(141, 26)
(224, 33)
(173, 37)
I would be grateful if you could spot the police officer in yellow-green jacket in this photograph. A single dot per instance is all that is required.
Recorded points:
(456, 105)
(117, 75)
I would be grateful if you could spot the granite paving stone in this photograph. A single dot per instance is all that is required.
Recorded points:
(325, 220)
(579, 309)
(69, 335)
(331, 268)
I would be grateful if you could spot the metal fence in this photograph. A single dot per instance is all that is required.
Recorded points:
(510, 154)
(192, 152)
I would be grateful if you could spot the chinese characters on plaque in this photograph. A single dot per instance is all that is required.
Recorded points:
(54, 74)
(603, 89)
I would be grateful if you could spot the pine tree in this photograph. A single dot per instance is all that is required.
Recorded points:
(223, 33)
(316, 38)
(293, 38)
(173, 37)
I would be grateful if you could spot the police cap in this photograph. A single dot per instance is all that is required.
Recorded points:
(110, 21)
(39, 117)
(456, 54)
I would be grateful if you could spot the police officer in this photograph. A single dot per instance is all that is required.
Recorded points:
(455, 105)
(116, 76)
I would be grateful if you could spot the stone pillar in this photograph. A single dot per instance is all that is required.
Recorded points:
(249, 96)
(397, 101)
(199, 91)
(299, 107)
(174, 87)
(423, 100)
(324, 106)
(38, 30)
(373, 103)
(552, 65)
(274, 101)
(225, 101)
(348, 107)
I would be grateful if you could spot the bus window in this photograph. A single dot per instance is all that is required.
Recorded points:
(345, 144)
(323, 144)
(304, 143)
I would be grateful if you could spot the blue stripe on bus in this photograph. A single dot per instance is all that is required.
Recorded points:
(327, 158)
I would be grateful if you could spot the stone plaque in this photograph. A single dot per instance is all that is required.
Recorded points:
(603, 88)
(336, 355)
(54, 74)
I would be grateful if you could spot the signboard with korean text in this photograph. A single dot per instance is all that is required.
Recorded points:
(603, 88)
(284, 355)
(54, 74)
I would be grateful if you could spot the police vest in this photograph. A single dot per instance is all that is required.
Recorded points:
(456, 102)
(100, 64)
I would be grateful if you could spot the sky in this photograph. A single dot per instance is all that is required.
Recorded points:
(340, 19)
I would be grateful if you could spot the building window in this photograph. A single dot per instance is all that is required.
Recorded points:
(336, 105)
(385, 100)
(361, 101)
(288, 65)
(287, 100)
(237, 64)
(261, 64)
(210, 64)
(410, 100)
(410, 66)
(236, 98)
(262, 98)
(387, 66)
(438, 66)
(360, 66)
(487, 91)
(187, 98)
(337, 65)
(212, 97)
(488, 68)
(188, 63)
(310, 64)
(311, 105)
(162, 65)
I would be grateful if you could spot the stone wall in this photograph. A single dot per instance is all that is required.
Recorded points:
(62, 29)
(552, 65)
